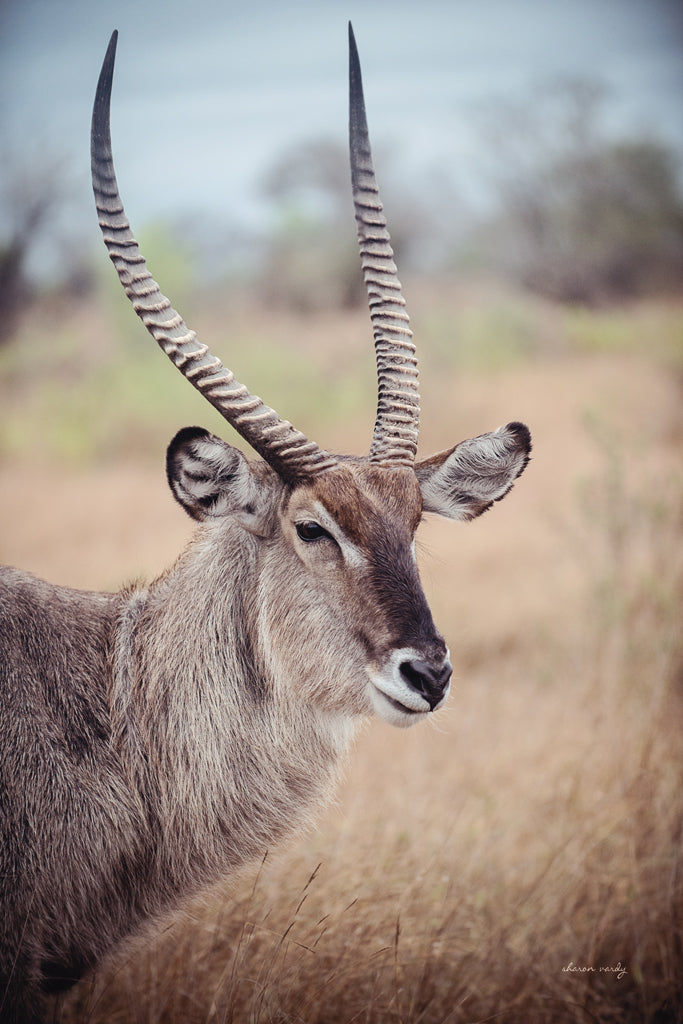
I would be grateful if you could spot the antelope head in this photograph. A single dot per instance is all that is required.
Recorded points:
(334, 534)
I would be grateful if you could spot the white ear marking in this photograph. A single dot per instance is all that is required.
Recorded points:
(208, 477)
(464, 481)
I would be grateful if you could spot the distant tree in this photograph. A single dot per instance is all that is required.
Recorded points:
(29, 197)
(583, 217)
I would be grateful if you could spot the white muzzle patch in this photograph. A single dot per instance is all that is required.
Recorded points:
(393, 698)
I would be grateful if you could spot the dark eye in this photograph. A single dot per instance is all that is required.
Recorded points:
(311, 531)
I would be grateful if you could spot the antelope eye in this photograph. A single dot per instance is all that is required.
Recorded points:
(311, 531)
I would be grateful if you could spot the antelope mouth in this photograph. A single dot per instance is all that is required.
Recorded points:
(393, 711)
(394, 702)
(406, 689)
(403, 708)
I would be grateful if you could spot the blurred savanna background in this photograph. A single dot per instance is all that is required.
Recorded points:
(519, 858)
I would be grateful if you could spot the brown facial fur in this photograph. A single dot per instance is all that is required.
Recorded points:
(377, 510)
(364, 499)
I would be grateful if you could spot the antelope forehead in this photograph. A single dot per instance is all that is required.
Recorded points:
(370, 501)
(364, 531)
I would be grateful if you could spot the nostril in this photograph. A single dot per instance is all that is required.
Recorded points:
(426, 680)
(412, 672)
(445, 674)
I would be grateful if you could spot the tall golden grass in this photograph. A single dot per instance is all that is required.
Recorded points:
(520, 858)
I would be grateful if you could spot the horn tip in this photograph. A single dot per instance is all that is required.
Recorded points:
(353, 49)
(113, 39)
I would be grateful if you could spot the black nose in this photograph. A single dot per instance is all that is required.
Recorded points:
(428, 681)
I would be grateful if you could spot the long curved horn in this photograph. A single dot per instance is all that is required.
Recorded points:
(398, 401)
(287, 450)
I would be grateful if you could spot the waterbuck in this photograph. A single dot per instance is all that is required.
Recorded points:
(155, 739)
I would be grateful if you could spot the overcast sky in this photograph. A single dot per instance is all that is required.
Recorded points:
(207, 94)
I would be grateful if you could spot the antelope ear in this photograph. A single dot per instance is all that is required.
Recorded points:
(208, 477)
(464, 481)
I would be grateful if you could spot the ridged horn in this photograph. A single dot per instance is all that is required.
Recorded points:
(397, 424)
(286, 449)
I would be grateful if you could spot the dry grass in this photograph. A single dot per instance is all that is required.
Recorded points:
(538, 823)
